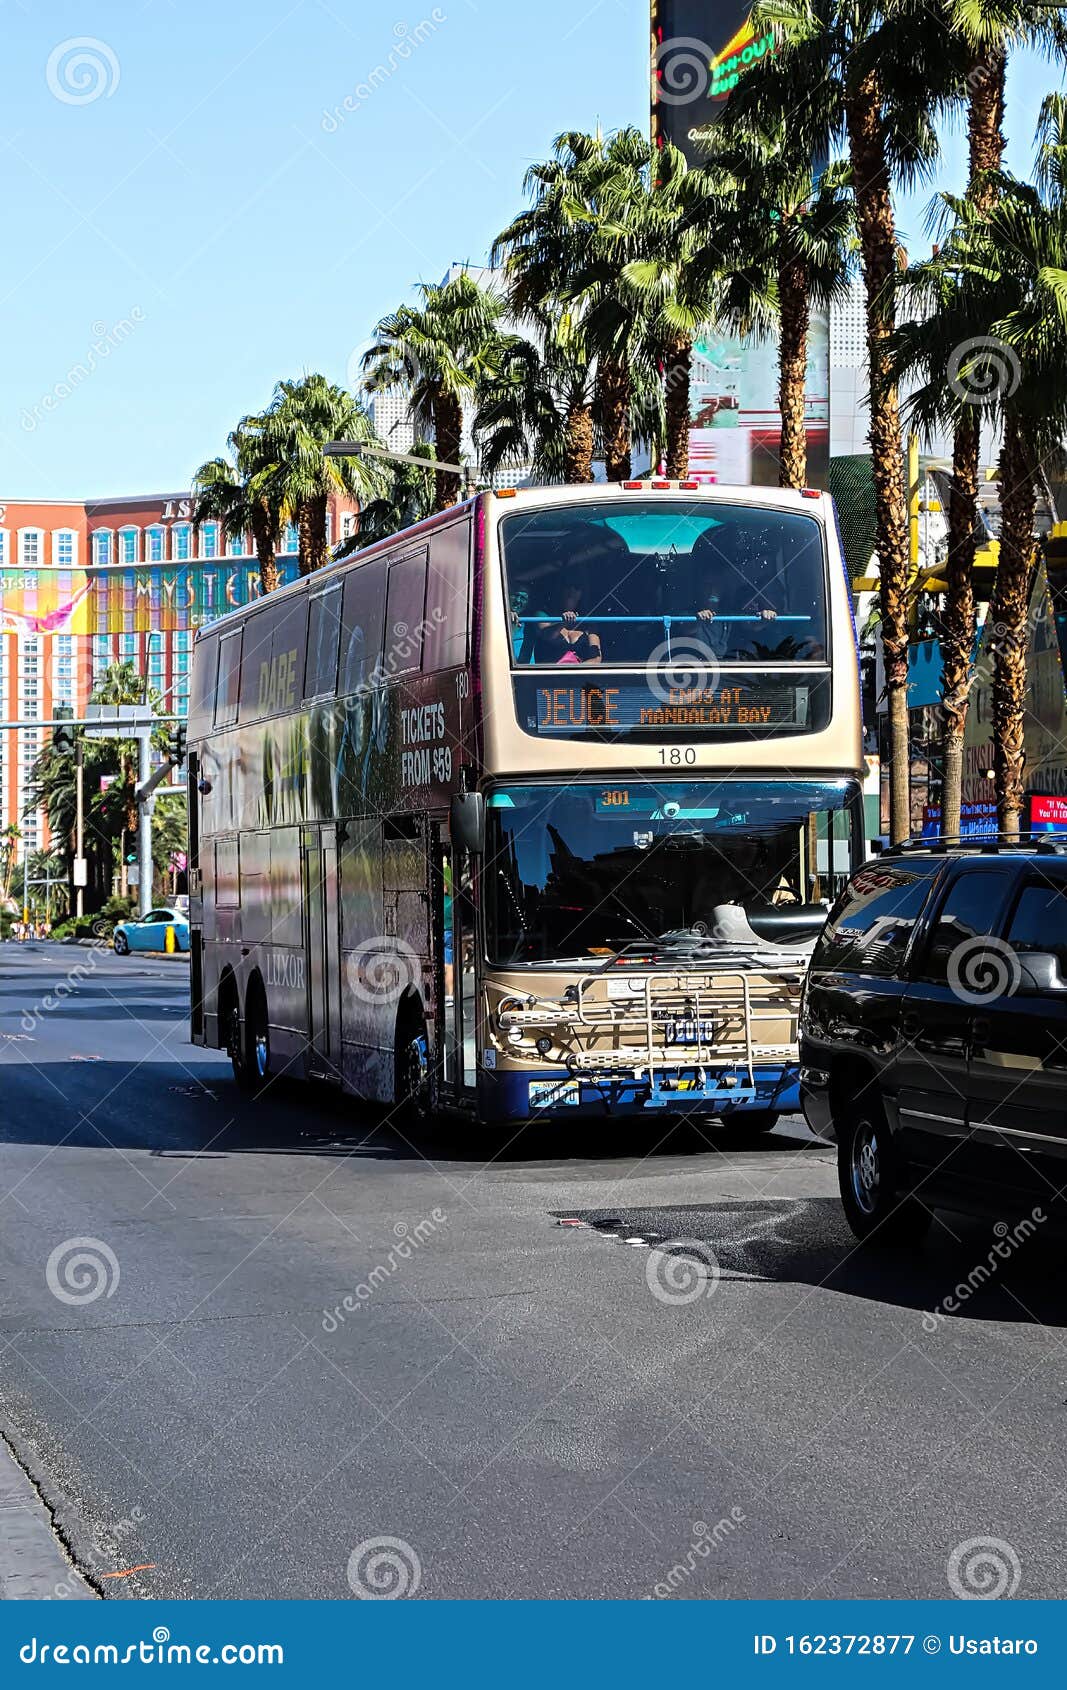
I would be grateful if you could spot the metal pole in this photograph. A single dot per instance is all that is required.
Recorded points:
(79, 819)
(144, 826)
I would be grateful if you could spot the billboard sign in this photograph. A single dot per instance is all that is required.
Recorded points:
(701, 50)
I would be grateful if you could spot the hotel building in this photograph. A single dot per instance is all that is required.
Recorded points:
(87, 584)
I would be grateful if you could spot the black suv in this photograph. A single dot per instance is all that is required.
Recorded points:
(933, 1036)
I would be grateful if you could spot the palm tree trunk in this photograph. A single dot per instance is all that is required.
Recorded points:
(986, 147)
(305, 538)
(613, 393)
(320, 544)
(1009, 613)
(578, 449)
(874, 208)
(957, 644)
(263, 537)
(448, 433)
(676, 395)
(792, 370)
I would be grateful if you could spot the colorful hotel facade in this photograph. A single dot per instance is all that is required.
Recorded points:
(85, 585)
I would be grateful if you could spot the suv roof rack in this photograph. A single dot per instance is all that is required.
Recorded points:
(1044, 844)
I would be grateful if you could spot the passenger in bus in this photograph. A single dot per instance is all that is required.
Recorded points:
(561, 640)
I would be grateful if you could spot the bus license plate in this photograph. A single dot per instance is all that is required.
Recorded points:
(689, 1032)
(553, 1094)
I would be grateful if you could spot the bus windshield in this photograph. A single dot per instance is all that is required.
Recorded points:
(608, 871)
(655, 579)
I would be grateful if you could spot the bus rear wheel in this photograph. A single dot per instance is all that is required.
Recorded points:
(257, 1038)
(413, 1090)
(233, 1033)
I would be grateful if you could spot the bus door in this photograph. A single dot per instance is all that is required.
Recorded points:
(321, 939)
(453, 925)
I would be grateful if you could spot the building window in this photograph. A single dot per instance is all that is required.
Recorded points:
(348, 525)
(157, 545)
(209, 539)
(128, 545)
(29, 547)
(182, 542)
(3, 545)
(102, 546)
(64, 548)
(291, 538)
(235, 546)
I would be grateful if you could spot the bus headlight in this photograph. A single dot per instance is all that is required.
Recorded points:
(544, 1044)
(515, 1035)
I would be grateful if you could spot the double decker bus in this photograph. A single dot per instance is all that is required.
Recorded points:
(533, 809)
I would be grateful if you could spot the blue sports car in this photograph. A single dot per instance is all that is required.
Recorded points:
(150, 932)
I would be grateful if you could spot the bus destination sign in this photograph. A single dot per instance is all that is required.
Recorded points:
(621, 708)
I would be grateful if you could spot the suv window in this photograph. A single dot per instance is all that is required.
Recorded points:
(970, 911)
(869, 932)
(1039, 922)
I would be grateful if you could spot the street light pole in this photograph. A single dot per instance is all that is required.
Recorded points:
(79, 822)
(358, 449)
(144, 826)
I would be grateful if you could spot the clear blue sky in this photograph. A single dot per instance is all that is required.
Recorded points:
(215, 222)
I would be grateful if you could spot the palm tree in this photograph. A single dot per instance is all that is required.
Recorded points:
(895, 66)
(8, 847)
(787, 223)
(229, 492)
(296, 478)
(989, 29)
(537, 407)
(439, 352)
(1002, 276)
(570, 247)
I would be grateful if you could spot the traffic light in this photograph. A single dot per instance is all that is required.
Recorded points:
(177, 742)
(63, 732)
(131, 858)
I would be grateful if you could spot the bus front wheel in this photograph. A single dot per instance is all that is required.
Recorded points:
(412, 1091)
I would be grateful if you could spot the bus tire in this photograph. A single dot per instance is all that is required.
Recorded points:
(231, 1031)
(257, 1037)
(413, 1085)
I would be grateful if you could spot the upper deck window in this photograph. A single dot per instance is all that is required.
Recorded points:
(658, 582)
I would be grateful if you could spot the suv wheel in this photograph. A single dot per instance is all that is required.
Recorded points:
(877, 1205)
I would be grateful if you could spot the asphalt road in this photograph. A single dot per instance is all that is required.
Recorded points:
(524, 1408)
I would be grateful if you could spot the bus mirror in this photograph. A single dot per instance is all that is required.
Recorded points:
(467, 822)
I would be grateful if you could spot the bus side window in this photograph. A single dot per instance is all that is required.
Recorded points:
(447, 598)
(361, 621)
(405, 607)
(255, 887)
(228, 680)
(324, 632)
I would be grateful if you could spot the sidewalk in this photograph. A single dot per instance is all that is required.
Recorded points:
(33, 1564)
